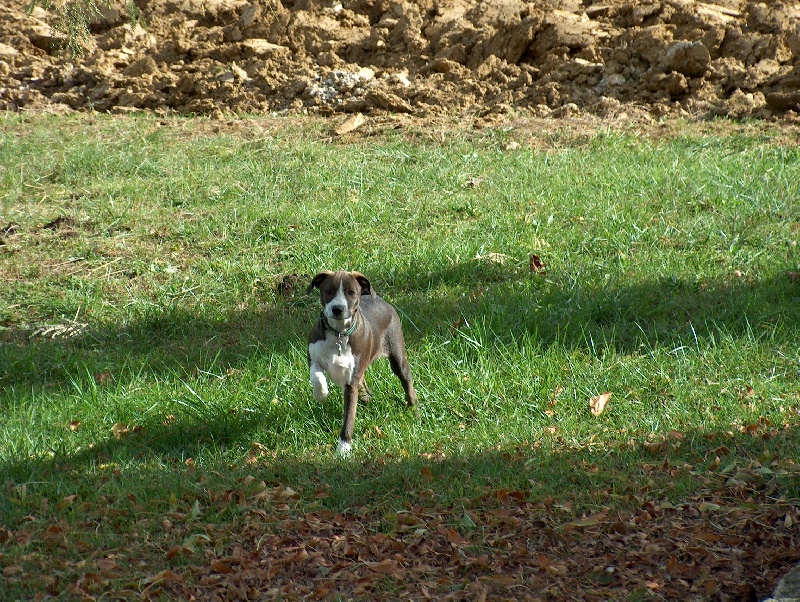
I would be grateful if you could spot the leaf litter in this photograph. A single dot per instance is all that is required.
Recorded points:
(728, 541)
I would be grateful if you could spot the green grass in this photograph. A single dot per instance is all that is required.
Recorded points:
(156, 305)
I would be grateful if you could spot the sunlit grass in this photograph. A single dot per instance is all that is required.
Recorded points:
(170, 301)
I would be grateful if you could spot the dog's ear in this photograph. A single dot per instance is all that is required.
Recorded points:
(318, 280)
(366, 287)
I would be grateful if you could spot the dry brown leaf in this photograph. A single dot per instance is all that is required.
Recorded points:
(676, 435)
(656, 446)
(454, 537)
(537, 265)
(165, 576)
(103, 377)
(598, 404)
(493, 257)
(708, 507)
(106, 565)
(502, 496)
(387, 567)
(504, 580)
(285, 494)
(221, 567)
(120, 430)
(13, 570)
(589, 521)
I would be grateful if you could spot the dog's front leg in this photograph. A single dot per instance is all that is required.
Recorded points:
(318, 381)
(350, 392)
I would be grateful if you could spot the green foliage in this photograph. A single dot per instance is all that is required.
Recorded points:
(70, 20)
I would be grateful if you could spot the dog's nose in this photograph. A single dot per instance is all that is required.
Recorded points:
(337, 310)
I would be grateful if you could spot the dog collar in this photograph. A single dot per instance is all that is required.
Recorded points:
(339, 343)
(347, 332)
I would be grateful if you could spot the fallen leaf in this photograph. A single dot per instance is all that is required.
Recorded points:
(285, 494)
(12, 570)
(221, 567)
(504, 580)
(65, 502)
(502, 496)
(794, 277)
(498, 258)
(103, 377)
(589, 521)
(106, 565)
(537, 265)
(387, 567)
(165, 576)
(196, 512)
(120, 430)
(598, 404)
(455, 538)
(656, 446)
(74, 425)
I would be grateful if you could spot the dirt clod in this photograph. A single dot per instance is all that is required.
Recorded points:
(426, 58)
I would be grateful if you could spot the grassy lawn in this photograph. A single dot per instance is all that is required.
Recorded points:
(156, 410)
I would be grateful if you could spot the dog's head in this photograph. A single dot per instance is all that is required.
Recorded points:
(340, 294)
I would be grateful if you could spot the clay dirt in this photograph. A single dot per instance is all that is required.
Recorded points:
(548, 58)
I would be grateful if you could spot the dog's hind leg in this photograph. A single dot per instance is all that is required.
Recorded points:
(402, 370)
(364, 393)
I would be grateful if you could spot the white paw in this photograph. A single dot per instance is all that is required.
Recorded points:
(343, 449)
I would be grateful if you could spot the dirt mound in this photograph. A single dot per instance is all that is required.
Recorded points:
(431, 57)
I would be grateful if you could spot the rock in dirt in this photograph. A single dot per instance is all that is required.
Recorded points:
(689, 58)
(350, 124)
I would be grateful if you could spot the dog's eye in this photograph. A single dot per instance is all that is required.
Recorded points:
(351, 293)
(329, 292)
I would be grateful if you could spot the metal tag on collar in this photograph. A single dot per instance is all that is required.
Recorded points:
(339, 344)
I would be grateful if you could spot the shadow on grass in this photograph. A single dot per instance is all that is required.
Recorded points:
(172, 341)
(622, 318)
(679, 466)
(667, 313)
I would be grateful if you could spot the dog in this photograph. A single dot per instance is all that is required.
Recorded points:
(354, 328)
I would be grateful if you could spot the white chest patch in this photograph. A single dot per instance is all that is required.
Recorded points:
(339, 365)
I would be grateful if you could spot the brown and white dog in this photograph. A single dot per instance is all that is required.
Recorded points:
(354, 328)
